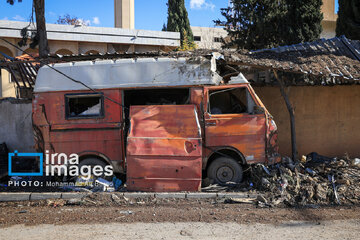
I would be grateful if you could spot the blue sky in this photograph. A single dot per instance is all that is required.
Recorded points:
(149, 14)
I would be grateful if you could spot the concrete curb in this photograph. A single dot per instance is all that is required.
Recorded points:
(14, 197)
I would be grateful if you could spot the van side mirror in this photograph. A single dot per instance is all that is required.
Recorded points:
(258, 110)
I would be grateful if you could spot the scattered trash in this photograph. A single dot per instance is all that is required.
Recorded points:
(356, 161)
(265, 169)
(310, 171)
(128, 212)
(314, 159)
(117, 183)
(76, 189)
(261, 198)
(23, 211)
(102, 185)
(185, 233)
(74, 201)
(332, 180)
(83, 181)
(55, 203)
(315, 179)
(115, 198)
(90, 185)
(240, 200)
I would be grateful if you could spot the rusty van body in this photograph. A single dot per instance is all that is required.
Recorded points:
(166, 123)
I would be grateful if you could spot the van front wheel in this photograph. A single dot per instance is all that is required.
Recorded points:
(223, 170)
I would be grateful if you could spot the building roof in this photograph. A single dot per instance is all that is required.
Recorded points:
(324, 62)
(337, 59)
(95, 34)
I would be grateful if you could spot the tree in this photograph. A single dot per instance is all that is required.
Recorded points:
(68, 20)
(254, 24)
(12, 1)
(39, 6)
(178, 21)
(40, 37)
(348, 22)
(257, 24)
(304, 21)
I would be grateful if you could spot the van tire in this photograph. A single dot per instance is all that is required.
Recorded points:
(224, 169)
(93, 162)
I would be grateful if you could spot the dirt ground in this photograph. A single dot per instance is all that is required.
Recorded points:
(166, 210)
(174, 219)
(188, 230)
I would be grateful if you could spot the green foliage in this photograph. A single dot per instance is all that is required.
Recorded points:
(178, 21)
(187, 44)
(12, 1)
(68, 20)
(164, 28)
(348, 22)
(257, 24)
(304, 18)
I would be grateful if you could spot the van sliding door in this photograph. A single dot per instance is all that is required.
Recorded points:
(164, 148)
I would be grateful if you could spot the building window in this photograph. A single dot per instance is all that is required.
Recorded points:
(218, 39)
(85, 105)
(197, 38)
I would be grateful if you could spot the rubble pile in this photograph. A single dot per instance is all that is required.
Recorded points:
(313, 180)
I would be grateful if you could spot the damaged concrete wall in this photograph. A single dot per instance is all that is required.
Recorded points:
(16, 124)
(327, 118)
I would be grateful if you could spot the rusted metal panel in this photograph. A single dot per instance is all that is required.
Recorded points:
(244, 132)
(94, 136)
(164, 149)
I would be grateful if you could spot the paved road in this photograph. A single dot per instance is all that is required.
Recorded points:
(342, 229)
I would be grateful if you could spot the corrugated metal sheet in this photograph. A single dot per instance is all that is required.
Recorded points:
(336, 59)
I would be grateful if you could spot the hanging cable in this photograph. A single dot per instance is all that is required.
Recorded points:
(58, 71)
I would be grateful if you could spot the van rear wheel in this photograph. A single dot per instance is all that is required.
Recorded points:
(224, 169)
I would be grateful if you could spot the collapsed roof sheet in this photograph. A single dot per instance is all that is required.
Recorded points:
(335, 58)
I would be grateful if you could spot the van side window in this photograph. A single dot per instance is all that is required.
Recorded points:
(230, 101)
(84, 105)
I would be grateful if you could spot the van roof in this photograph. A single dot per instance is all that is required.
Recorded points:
(126, 73)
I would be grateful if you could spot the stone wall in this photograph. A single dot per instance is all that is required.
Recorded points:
(16, 124)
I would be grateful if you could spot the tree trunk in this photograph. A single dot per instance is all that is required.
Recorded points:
(292, 116)
(41, 27)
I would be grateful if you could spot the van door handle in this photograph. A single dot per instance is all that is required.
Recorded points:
(210, 123)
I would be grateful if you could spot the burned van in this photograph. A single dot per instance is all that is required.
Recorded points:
(166, 123)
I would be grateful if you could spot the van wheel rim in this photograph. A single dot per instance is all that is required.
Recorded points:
(224, 174)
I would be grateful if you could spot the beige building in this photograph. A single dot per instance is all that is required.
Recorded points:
(124, 12)
(329, 21)
(77, 39)
(208, 38)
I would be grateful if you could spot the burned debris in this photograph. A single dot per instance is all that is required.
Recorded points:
(314, 180)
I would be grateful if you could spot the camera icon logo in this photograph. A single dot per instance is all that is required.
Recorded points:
(16, 154)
